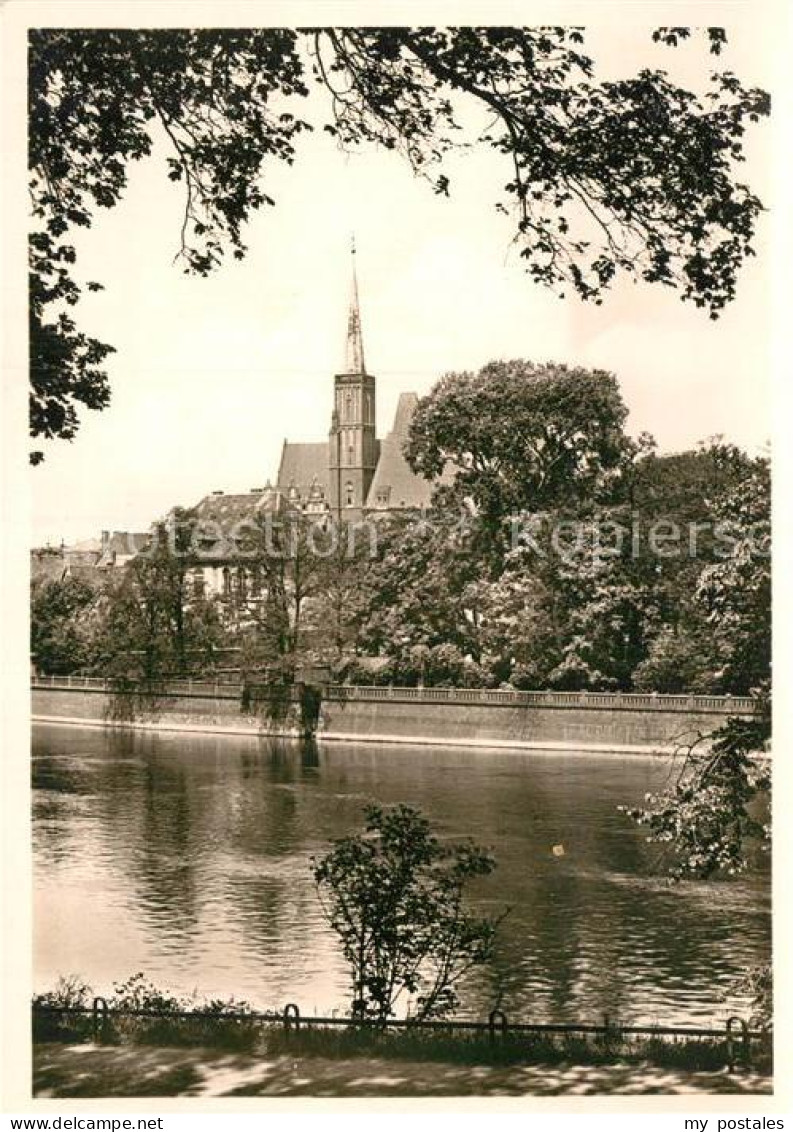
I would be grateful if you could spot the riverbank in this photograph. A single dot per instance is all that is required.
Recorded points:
(88, 1070)
(467, 718)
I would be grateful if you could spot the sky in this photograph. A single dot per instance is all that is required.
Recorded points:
(211, 375)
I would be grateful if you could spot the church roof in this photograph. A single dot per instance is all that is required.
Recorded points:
(395, 485)
(302, 466)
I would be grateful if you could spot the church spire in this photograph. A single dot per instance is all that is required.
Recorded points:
(353, 355)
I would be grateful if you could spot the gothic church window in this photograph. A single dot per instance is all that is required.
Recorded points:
(349, 493)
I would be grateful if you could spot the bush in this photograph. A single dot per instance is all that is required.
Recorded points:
(148, 1015)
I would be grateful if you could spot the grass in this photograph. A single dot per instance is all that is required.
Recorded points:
(62, 1016)
(461, 1047)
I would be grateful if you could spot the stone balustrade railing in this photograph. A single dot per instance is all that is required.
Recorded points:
(616, 701)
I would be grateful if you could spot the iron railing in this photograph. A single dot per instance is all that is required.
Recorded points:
(736, 1033)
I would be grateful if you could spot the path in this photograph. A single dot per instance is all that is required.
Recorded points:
(138, 1071)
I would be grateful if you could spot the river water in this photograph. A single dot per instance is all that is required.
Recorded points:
(187, 857)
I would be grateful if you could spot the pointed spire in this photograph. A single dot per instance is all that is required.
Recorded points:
(353, 356)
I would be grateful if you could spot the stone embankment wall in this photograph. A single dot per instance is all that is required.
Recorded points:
(460, 717)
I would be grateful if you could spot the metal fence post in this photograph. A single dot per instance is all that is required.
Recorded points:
(98, 1018)
(497, 1020)
(732, 1024)
(291, 1016)
(739, 1023)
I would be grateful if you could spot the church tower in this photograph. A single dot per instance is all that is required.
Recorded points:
(352, 443)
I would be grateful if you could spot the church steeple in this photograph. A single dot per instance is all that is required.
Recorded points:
(353, 354)
(353, 447)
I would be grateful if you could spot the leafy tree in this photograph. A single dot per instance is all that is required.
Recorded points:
(61, 625)
(677, 661)
(683, 493)
(286, 552)
(521, 622)
(634, 177)
(420, 591)
(335, 613)
(706, 818)
(154, 625)
(736, 590)
(395, 898)
(519, 436)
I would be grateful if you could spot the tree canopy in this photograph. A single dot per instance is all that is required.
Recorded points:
(518, 435)
(635, 177)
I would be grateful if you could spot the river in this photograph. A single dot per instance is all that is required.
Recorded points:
(187, 857)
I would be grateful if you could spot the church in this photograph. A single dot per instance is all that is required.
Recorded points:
(350, 475)
(353, 472)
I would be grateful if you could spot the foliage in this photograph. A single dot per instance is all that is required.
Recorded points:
(580, 595)
(62, 617)
(736, 590)
(676, 662)
(601, 178)
(93, 99)
(347, 551)
(520, 632)
(420, 591)
(705, 819)
(154, 626)
(231, 1024)
(461, 1047)
(520, 436)
(282, 549)
(394, 896)
(757, 983)
(69, 993)
(142, 1012)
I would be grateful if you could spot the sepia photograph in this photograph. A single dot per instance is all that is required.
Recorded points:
(399, 542)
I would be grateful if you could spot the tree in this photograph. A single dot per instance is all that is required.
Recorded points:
(62, 617)
(394, 896)
(154, 625)
(677, 662)
(635, 177)
(520, 630)
(286, 552)
(336, 612)
(705, 819)
(735, 591)
(518, 436)
(420, 591)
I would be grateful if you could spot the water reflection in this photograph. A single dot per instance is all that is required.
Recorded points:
(189, 858)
